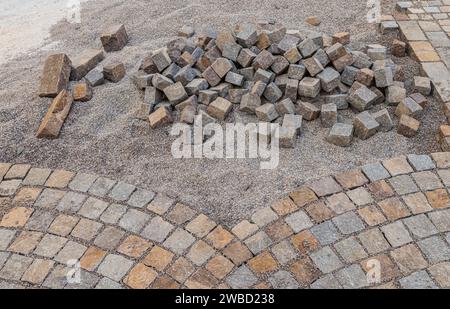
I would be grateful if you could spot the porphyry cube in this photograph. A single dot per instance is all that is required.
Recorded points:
(419, 98)
(56, 115)
(307, 47)
(293, 55)
(285, 106)
(291, 89)
(85, 62)
(258, 88)
(365, 125)
(293, 121)
(384, 119)
(341, 134)
(245, 58)
(249, 102)
(161, 59)
(266, 112)
(160, 82)
(207, 96)
(313, 66)
(308, 111)
(328, 115)
(55, 75)
(234, 79)
(263, 60)
(82, 92)
(422, 85)
(309, 87)
(287, 137)
(272, 93)
(175, 93)
(248, 36)
(336, 51)
(222, 66)
(280, 65)
(341, 37)
(211, 77)
(264, 76)
(114, 38)
(365, 76)
(349, 74)
(160, 117)
(408, 126)
(114, 72)
(384, 77)
(409, 107)
(231, 51)
(329, 79)
(219, 108)
(196, 85)
(296, 71)
(362, 98)
(340, 100)
(395, 94)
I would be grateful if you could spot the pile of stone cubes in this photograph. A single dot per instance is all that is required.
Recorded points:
(278, 75)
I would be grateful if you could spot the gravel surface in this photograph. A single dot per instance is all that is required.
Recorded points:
(101, 136)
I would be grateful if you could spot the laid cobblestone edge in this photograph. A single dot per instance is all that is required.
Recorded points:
(320, 236)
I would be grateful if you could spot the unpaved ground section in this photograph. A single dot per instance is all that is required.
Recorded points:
(102, 136)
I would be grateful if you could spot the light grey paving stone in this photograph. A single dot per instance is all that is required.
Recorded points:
(283, 280)
(49, 198)
(121, 191)
(71, 251)
(440, 218)
(445, 176)
(134, 220)
(396, 234)
(87, 281)
(3, 257)
(179, 241)
(71, 202)
(417, 280)
(40, 220)
(9, 187)
(6, 237)
(157, 229)
(15, 266)
(403, 184)
(161, 204)
(93, 208)
(299, 221)
(109, 238)
(140, 198)
(441, 274)
(427, 180)
(360, 196)
(374, 241)
(115, 267)
(17, 171)
(435, 249)
(348, 223)
(264, 216)
(108, 284)
(350, 250)
(438, 39)
(36, 177)
(411, 31)
(284, 252)
(352, 277)
(50, 245)
(113, 213)
(421, 162)
(241, 278)
(86, 229)
(326, 233)
(420, 226)
(326, 282)
(326, 260)
(375, 171)
(102, 186)
(325, 186)
(258, 242)
(57, 279)
(82, 182)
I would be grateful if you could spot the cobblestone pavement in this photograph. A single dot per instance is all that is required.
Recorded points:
(389, 218)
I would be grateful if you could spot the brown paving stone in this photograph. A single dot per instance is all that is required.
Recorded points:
(397, 166)
(263, 263)
(424, 51)
(201, 279)
(219, 266)
(417, 203)
(17, 171)
(165, 283)
(180, 214)
(394, 209)
(92, 258)
(200, 226)
(319, 211)
(340, 203)
(63, 225)
(303, 196)
(238, 253)
(305, 242)
(16, 217)
(200, 252)
(59, 179)
(325, 186)
(262, 286)
(26, 196)
(380, 190)
(140, 277)
(37, 271)
(351, 179)
(438, 198)
(372, 215)
(305, 272)
(408, 259)
(219, 237)
(25, 242)
(442, 159)
(134, 246)
(86, 229)
(284, 206)
(441, 273)
(278, 230)
(389, 270)
(181, 269)
(4, 167)
(158, 258)
(244, 229)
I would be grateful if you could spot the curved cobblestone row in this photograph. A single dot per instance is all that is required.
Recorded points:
(390, 218)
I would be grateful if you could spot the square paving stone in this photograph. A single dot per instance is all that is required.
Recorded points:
(16, 217)
(219, 237)
(284, 252)
(88, 281)
(180, 214)
(360, 196)
(115, 267)
(71, 202)
(36, 177)
(421, 162)
(264, 216)
(409, 258)
(326, 260)
(351, 179)
(434, 249)
(380, 190)
(373, 241)
(4, 167)
(440, 218)
(161, 204)
(37, 271)
(134, 246)
(92, 258)
(201, 279)
(40, 221)
(299, 221)
(15, 266)
(157, 229)
(340, 203)
(71, 251)
(219, 266)
(241, 278)
(63, 225)
(113, 213)
(59, 179)
(86, 229)
(319, 212)
(397, 166)
(325, 186)
(17, 171)
(3, 257)
(200, 252)
(57, 279)
(348, 223)
(283, 280)
(326, 233)
(6, 236)
(302, 196)
(121, 191)
(50, 245)
(158, 258)
(418, 280)
(427, 180)
(438, 198)
(441, 273)
(445, 176)
(93, 208)
(134, 220)
(326, 282)
(388, 268)
(350, 250)
(49, 198)
(372, 215)
(140, 277)
(278, 230)
(244, 229)
(200, 226)
(352, 277)
(181, 269)
(108, 284)
(403, 184)
(141, 198)
(26, 242)
(26, 196)
(237, 252)
(396, 234)
(375, 171)
(304, 271)
(109, 238)
(258, 242)
(417, 203)
(102, 186)
(179, 241)
(394, 209)
(82, 182)
(420, 226)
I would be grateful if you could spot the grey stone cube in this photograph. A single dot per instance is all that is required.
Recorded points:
(161, 59)
(340, 100)
(307, 47)
(328, 115)
(365, 125)
(362, 98)
(266, 112)
(250, 102)
(384, 77)
(272, 93)
(341, 134)
(296, 71)
(308, 110)
(384, 119)
(313, 66)
(285, 106)
(422, 85)
(293, 121)
(329, 79)
(309, 87)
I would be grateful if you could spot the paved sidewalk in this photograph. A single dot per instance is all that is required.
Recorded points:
(392, 215)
